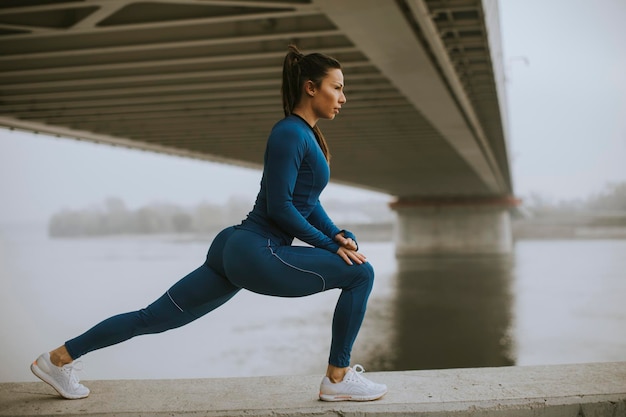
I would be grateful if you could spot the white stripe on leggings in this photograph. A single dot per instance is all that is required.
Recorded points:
(168, 294)
(295, 267)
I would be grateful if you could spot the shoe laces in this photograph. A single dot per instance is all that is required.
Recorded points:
(356, 375)
(70, 370)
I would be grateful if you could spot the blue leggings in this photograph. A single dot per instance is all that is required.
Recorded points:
(240, 259)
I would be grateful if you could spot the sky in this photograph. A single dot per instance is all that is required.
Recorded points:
(566, 88)
(565, 73)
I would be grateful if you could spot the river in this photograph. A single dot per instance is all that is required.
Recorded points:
(549, 302)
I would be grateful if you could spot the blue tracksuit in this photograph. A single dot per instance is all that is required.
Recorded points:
(257, 254)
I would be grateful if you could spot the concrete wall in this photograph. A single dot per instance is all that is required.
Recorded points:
(584, 390)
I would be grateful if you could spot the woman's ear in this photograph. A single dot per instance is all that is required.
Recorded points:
(309, 88)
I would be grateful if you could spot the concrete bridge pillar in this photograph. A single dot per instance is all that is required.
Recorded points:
(472, 225)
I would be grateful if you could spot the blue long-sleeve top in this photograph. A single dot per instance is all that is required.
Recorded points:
(295, 173)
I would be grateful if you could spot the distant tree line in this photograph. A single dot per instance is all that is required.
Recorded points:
(602, 215)
(372, 218)
(113, 217)
(611, 199)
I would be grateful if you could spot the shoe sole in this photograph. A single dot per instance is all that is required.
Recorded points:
(35, 369)
(331, 397)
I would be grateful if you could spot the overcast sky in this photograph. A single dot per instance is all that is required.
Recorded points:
(567, 106)
(566, 95)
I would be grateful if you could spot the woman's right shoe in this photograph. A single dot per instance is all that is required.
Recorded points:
(354, 387)
(62, 378)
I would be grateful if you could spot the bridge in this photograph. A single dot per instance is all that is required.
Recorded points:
(425, 119)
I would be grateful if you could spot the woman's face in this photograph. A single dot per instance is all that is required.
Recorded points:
(329, 97)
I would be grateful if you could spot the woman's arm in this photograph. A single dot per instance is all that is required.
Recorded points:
(320, 219)
(285, 152)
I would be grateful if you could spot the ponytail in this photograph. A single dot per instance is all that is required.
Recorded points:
(291, 90)
(298, 69)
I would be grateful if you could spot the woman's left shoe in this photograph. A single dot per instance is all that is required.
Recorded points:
(62, 378)
(354, 387)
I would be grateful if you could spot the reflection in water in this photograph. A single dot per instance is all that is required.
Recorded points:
(452, 312)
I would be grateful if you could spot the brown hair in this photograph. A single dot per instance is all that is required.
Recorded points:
(297, 70)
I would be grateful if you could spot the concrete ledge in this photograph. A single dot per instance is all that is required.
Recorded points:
(596, 389)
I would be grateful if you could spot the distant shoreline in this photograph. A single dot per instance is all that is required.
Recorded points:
(383, 232)
(529, 230)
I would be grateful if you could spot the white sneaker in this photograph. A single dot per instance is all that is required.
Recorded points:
(354, 387)
(62, 378)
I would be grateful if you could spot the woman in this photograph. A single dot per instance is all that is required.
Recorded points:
(257, 254)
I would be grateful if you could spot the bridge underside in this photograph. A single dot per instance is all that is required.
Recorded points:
(425, 116)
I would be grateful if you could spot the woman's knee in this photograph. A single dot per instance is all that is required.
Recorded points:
(366, 274)
(159, 316)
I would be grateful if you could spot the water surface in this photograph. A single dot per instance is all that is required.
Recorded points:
(549, 302)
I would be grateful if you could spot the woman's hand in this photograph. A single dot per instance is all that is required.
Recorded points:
(350, 255)
(345, 242)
